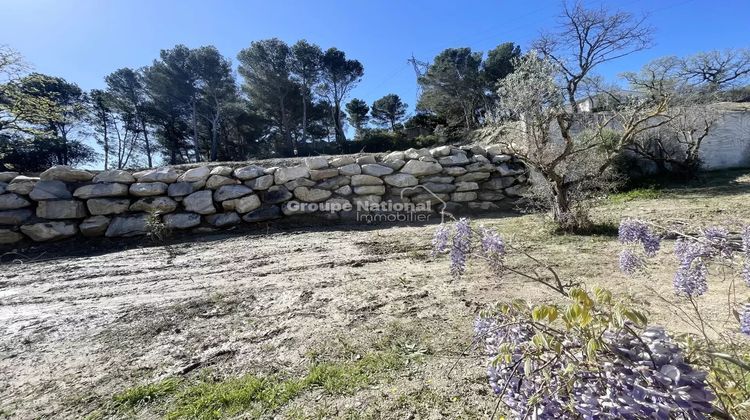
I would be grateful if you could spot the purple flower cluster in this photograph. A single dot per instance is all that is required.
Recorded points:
(691, 276)
(717, 242)
(461, 247)
(746, 254)
(630, 262)
(635, 231)
(745, 319)
(440, 240)
(640, 377)
(493, 249)
(647, 378)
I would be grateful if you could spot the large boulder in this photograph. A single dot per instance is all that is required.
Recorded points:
(106, 206)
(370, 190)
(466, 186)
(101, 190)
(345, 190)
(364, 160)
(115, 175)
(319, 174)
(263, 214)
(454, 160)
(401, 180)
(394, 156)
(166, 175)
(22, 185)
(11, 201)
(480, 167)
(61, 209)
(376, 170)
(8, 176)
(181, 220)
(124, 226)
(454, 171)
(216, 181)
(66, 174)
(180, 189)
(228, 192)
(299, 182)
(333, 183)
(8, 237)
(148, 189)
(316, 162)
(464, 196)
(416, 153)
(200, 202)
(94, 226)
(260, 183)
(351, 169)
(395, 164)
(50, 190)
(15, 217)
(358, 180)
(199, 174)
(249, 172)
(440, 151)
(276, 194)
(158, 205)
(420, 168)
(222, 170)
(49, 231)
(439, 188)
(223, 219)
(311, 195)
(342, 161)
(247, 204)
(284, 175)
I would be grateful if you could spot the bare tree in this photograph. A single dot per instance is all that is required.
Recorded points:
(569, 150)
(717, 69)
(571, 153)
(588, 38)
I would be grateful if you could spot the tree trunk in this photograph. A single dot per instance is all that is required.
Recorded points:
(106, 147)
(304, 122)
(340, 136)
(561, 208)
(195, 133)
(147, 143)
(215, 137)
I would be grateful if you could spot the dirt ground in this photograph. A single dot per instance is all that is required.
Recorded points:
(79, 326)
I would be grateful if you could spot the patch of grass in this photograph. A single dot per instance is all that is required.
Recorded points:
(143, 394)
(250, 393)
(344, 378)
(648, 193)
(257, 395)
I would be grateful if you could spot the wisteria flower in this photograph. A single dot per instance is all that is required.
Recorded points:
(440, 240)
(746, 254)
(461, 247)
(630, 262)
(636, 231)
(493, 249)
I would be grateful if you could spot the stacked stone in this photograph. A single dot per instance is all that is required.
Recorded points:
(63, 202)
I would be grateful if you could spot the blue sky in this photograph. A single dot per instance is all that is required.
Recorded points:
(83, 40)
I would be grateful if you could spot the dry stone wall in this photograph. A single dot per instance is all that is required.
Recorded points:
(64, 202)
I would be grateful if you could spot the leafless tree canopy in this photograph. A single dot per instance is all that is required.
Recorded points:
(718, 69)
(588, 38)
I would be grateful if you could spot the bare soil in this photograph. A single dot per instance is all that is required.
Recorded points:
(81, 323)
